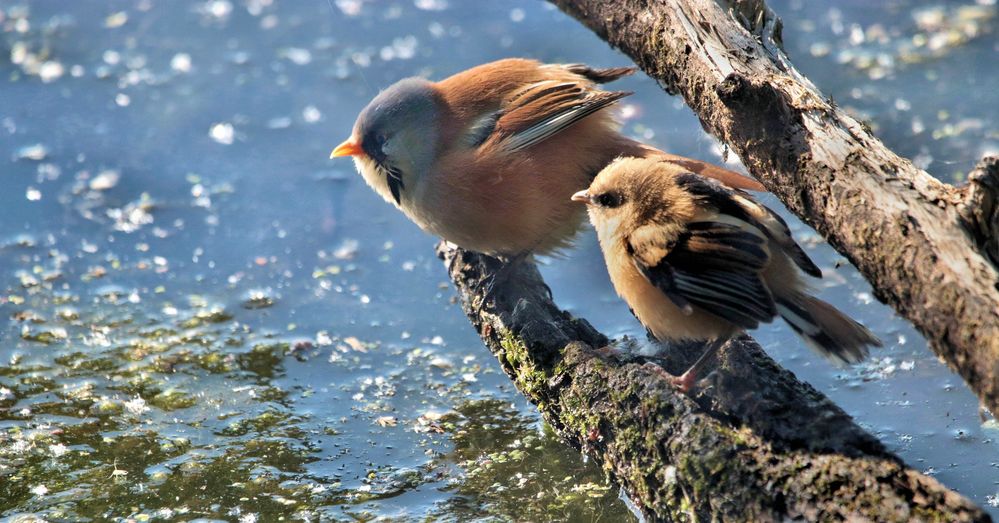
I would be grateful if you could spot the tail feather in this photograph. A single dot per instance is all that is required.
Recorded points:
(825, 329)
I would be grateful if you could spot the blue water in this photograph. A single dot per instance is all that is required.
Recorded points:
(203, 316)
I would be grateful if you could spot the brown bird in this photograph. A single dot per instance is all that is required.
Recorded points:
(699, 261)
(488, 158)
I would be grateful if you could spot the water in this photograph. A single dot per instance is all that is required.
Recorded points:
(203, 316)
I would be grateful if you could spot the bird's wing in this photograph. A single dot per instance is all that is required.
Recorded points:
(777, 230)
(740, 205)
(713, 263)
(715, 267)
(541, 110)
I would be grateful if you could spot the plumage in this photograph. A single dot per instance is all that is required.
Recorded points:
(543, 110)
(696, 260)
(488, 157)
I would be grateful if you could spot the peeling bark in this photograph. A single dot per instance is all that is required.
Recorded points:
(980, 208)
(929, 249)
(756, 445)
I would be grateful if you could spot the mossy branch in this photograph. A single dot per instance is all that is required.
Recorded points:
(757, 445)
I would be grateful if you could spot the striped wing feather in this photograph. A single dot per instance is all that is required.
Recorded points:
(716, 267)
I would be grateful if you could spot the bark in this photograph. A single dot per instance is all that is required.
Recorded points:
(929, 249)
(755, 445)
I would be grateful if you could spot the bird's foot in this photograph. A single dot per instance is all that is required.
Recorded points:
(684, 383)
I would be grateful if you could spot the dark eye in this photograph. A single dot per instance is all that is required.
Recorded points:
(374, 145)
(610, 200)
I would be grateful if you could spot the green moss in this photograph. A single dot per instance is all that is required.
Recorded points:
(528, 377)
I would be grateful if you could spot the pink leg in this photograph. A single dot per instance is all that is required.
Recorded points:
(686, 381)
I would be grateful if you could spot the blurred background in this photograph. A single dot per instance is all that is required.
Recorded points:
(204, 317)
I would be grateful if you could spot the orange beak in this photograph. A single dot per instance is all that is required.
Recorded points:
(347, 148)
(581, 196)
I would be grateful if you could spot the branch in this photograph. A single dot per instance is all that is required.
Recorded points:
(921, 243)
(758, 446)
(980, 208)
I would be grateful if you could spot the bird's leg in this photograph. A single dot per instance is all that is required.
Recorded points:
(686, 381)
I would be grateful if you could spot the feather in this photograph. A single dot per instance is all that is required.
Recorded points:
(600, 76)
(394, 179)
(546, 108)
(790, 247)
(729, 178)
(715, 267)
(737, 204)
(481, 129)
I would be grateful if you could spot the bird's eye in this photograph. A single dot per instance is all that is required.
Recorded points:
(376, 145)
(610, 200)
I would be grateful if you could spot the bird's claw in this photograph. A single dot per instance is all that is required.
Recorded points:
(684, 383)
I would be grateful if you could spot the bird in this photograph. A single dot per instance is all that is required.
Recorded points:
(698, 261)
(488, 158)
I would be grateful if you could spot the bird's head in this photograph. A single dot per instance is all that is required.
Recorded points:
(630, 192)
(395, 139)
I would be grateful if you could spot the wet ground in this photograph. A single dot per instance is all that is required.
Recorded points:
(204, 317)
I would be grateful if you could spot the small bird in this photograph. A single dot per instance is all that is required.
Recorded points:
(699, 261)
(488, 158)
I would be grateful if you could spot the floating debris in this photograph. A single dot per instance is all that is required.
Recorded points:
(50, 71)
(216, 9)
(222, 133)
(181, 63)
(401, 49)
(347, 249)
(280, 122)
(431, 5)
(386, 421)
(356, 344)
(36, 152)
(259, 299)
(350, 7)
(133, 215)
(136, 406)
(116, 20)
(104, 180)
(297, 55)
(311, 114)
(45, 335)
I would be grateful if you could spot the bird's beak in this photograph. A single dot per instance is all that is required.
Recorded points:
(581, 196)
(347, 148)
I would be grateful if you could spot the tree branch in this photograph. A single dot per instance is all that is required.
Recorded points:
(759, 445)
(921, 243)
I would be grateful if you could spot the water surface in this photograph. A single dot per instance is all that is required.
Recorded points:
(204, 317)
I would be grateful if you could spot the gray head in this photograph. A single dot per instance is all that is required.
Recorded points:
(399, 132)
